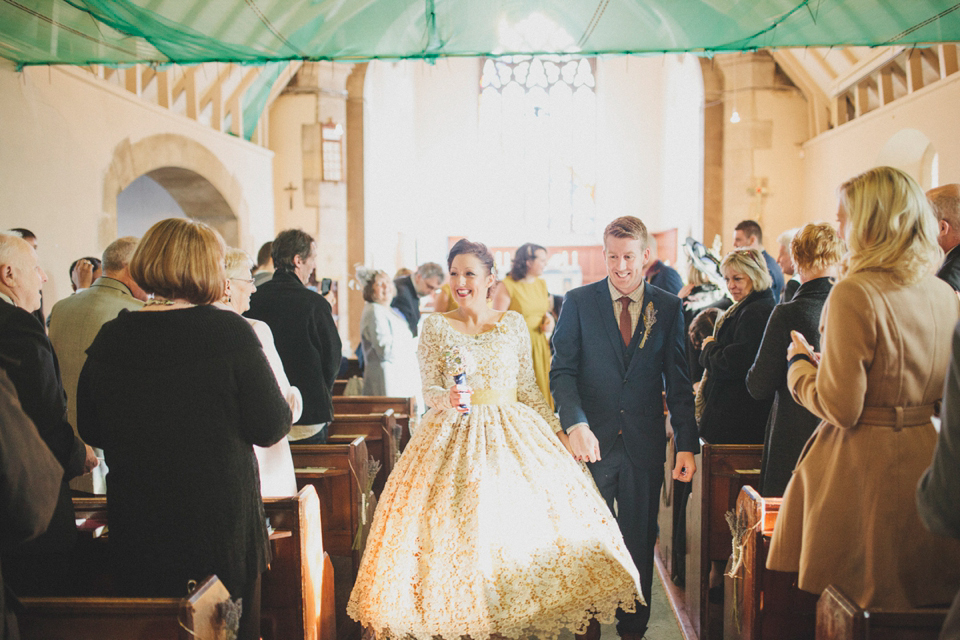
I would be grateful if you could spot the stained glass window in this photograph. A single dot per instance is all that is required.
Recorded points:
(538, 139)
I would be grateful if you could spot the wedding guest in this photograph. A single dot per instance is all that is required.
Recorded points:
(389, 351)
(83, 272)
(749, 235)
(816, 250)
(176, 394)
(31, 239)
(786, 264)
(727, 413)
(945, 201)
(277, 477)
(938, 494)
(410, 288)
(661, 275)
(264, 269)
(525, 291)
(849, 515)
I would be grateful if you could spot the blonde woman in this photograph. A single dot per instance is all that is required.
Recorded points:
(848, 516)
(816, 251)
(277, 477)
(727, 414)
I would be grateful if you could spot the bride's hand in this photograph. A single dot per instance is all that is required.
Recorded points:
(565, 439)
(460, 394)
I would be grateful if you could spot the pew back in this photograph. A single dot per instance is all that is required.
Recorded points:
(381, 434)
(111, 618)
(405, 410)
(839, 618)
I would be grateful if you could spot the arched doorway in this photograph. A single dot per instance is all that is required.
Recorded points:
(173, 192)
(168, 175)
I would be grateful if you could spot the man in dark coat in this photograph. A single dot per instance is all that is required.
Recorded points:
(619, 343)
(749, 235)
(40, 566)
(662, 275)
(945, 201)
(29, 486)
(304, 331)
(427, 278)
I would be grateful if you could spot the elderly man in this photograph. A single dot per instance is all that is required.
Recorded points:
(76, 320)
(945, 201)
(749, 235)
(427, 278)
(27, 356)
(303, 330)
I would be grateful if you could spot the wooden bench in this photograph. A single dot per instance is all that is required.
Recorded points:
(405, 410)
(381, 434)
(839, 618)
(722, 470)
(297, 593)
(111, 618)
(336, 471)
(339, 386)
(767, 604)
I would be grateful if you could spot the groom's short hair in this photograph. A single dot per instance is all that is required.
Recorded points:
(627, 227)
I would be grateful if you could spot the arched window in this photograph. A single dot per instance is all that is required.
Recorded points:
(538, 140)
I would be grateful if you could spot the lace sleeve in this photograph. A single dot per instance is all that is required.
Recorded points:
(435, 394)
(527, 390)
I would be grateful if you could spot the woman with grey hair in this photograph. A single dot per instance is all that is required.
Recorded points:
(389, 351)
(726, 412)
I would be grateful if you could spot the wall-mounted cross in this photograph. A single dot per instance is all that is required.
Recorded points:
(291, 189)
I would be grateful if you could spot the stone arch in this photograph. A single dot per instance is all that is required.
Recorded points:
(911, 150)
(191, 173)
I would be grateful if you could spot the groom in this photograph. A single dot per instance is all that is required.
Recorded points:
(617, 343)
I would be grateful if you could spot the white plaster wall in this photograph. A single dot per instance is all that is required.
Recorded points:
(422, 176)
(59, 129)
(839, 154)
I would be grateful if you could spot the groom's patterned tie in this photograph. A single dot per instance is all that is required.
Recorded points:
(625, 331)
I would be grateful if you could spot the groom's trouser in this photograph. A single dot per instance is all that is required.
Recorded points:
(637, 492)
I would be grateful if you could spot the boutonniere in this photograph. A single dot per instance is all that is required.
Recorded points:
(649, 319)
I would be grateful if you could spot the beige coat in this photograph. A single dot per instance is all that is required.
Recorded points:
(849, 516)
(74, 323)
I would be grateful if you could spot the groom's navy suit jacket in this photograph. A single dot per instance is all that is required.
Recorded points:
(592, 382)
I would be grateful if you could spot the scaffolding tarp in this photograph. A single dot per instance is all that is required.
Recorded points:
(122, 32)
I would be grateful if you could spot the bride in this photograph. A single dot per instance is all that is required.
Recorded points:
(487, 526)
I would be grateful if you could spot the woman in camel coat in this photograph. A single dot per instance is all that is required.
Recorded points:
(849, 517)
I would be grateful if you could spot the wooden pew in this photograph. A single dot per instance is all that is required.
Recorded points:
(339, 385)
(405, 410)
(381, 434)
(767, 604)
(111, 618)
(722, 470)
(336, 471)
(839, 618)
(297, 593)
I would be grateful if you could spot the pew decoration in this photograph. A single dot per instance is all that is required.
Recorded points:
(208, 612)
(366, 497)
(739, 530)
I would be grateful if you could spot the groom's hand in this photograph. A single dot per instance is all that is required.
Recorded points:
(584, 444)
(685, 468)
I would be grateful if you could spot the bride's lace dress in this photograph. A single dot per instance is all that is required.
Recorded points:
(487, 526)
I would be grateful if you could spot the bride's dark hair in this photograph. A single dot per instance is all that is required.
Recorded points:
(478, 249)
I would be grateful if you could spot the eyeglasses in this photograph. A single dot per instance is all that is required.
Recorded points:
(247, 280)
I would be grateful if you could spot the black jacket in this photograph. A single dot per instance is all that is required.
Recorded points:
(730, 414)
(950, 271)
(28, 359)
(176, 399)
(306, 338)
(407, 302)
(664, 277)
(789, 425)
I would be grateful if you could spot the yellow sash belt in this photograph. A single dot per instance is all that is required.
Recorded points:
(493, 396)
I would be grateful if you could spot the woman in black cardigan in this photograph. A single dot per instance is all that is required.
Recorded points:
(176, 394)
(817, 250)
(726, 412)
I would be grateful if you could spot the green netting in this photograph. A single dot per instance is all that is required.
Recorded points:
(124, 32)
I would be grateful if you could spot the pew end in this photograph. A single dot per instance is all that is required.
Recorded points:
(107, 618)
(840, 618)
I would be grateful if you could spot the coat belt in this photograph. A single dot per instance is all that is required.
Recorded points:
(898, 417)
